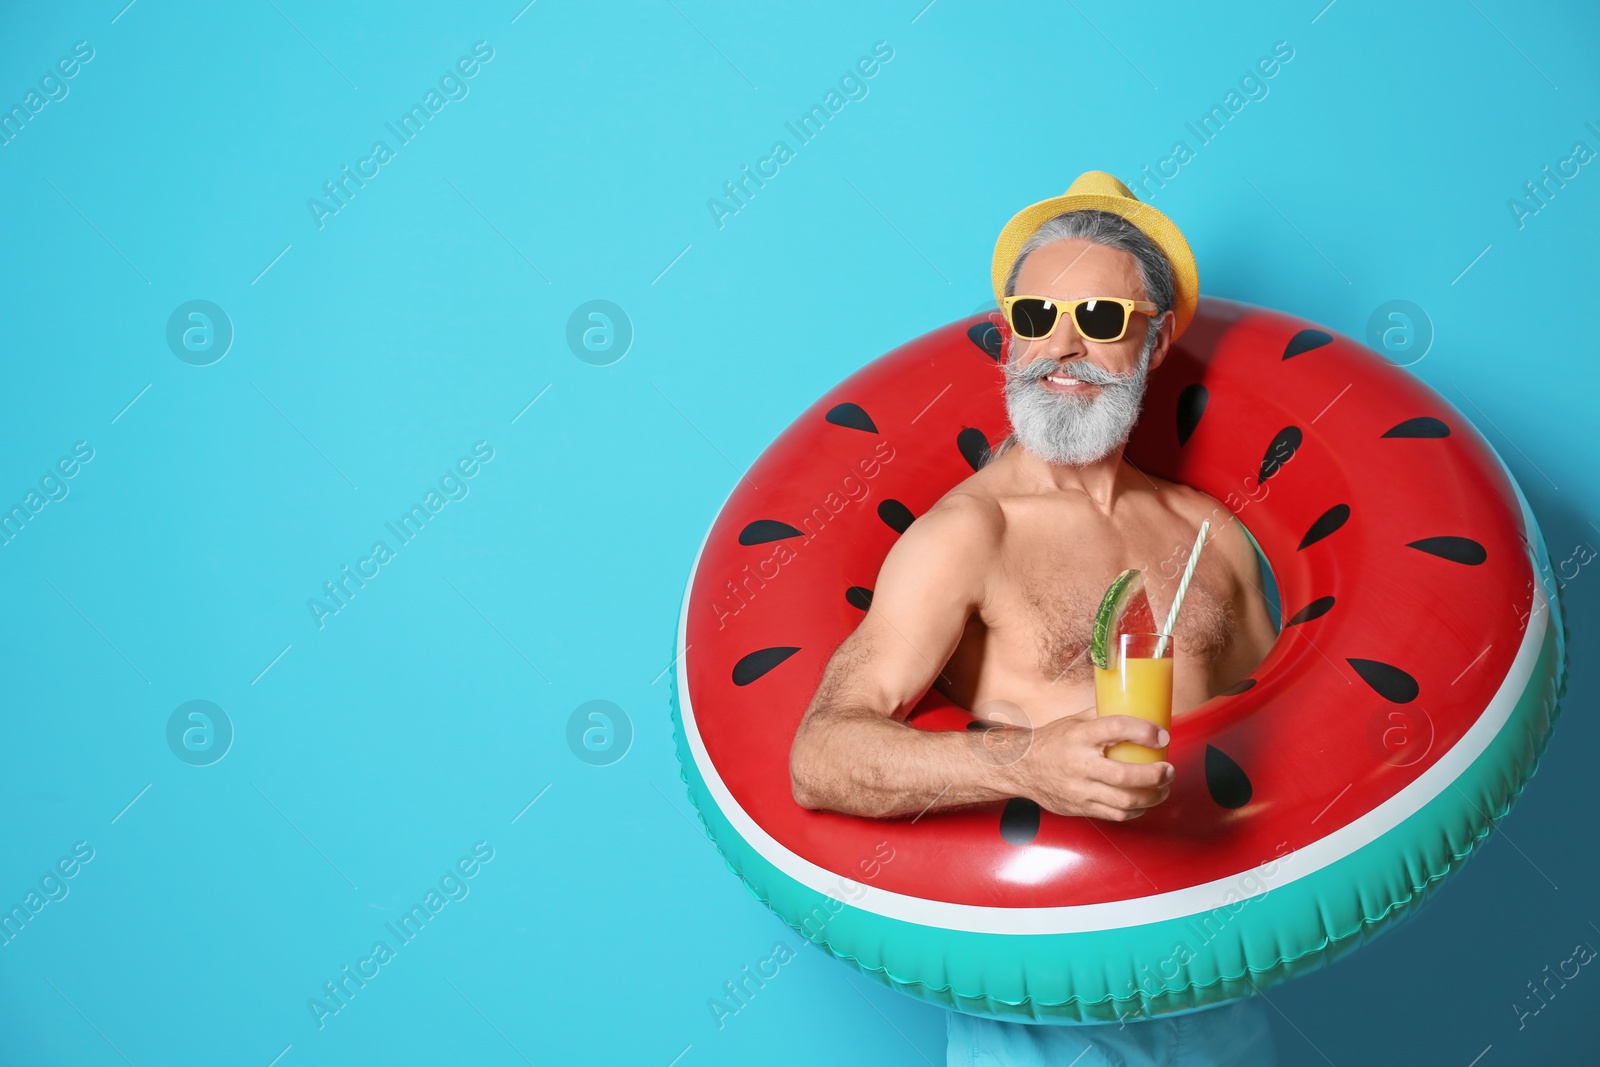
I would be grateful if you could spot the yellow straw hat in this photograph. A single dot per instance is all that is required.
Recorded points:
(1097, 189)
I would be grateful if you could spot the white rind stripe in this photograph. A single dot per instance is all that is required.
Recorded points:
(1158, 907)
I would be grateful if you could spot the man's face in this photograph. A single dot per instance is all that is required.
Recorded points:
(1071, 400)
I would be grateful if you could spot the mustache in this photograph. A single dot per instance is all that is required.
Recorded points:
(1080, 369)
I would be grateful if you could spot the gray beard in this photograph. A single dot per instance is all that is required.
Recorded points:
(1073, 430)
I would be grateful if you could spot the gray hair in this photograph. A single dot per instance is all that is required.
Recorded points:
(1112, 230)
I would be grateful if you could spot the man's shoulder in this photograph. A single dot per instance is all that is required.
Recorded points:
(969, 511)
(1194, 505)
(977, 512)
(949, 548)
(1226, 532)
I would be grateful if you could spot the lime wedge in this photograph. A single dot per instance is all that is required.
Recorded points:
(1124, 609)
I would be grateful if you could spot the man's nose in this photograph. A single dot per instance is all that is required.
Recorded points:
(1063, 344)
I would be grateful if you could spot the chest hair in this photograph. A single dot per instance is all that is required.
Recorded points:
(1063, 622)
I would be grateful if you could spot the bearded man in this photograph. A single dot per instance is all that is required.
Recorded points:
(990, 595)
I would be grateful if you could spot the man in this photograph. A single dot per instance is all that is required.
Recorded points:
(990, 595)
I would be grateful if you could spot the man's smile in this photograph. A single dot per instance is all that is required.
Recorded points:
(1061, 383)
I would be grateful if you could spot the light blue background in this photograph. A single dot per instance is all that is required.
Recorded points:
(429, 312)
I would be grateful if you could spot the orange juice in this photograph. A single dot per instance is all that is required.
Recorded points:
(1141, 687)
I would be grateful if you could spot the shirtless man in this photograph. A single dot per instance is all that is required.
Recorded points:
(990, 595)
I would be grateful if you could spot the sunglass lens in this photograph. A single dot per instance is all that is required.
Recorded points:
(1032, 318)
(1100, 320)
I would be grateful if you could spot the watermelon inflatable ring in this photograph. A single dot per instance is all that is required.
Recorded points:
(1411, 690)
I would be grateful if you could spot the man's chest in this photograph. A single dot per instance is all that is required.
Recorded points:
(1049, 612)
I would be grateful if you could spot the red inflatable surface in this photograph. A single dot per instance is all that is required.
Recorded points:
(1391, 528)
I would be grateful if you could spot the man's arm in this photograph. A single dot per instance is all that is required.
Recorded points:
(854, 752)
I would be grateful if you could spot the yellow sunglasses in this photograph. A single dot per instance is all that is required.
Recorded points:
(1098, 318)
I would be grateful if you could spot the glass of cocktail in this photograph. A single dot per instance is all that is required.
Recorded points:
(1136, 682)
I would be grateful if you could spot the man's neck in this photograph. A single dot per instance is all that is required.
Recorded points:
(1101, 481)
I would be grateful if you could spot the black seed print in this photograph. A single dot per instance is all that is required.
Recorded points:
(1191, 406)
(1279, 452)
(974, 447)
(986, 335)
(859, 596)
(1387, 680)
(759, 662)
(1421, 426)
(1019, 823)
(852, 417)
(763, 530)
(895, 514)
(1314, 610)
(1455, 549)
(1226, 780)
(1326, 523)
(1305, 341)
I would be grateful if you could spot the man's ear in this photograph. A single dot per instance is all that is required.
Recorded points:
(1166, 323)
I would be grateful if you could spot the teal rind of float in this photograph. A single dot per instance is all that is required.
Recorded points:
(1214, 957)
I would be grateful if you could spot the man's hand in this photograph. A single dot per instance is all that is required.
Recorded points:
(1065, 769)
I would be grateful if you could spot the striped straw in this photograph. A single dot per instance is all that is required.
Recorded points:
(1183, 587)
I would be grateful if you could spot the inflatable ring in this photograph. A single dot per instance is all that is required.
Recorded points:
(1405, 703)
